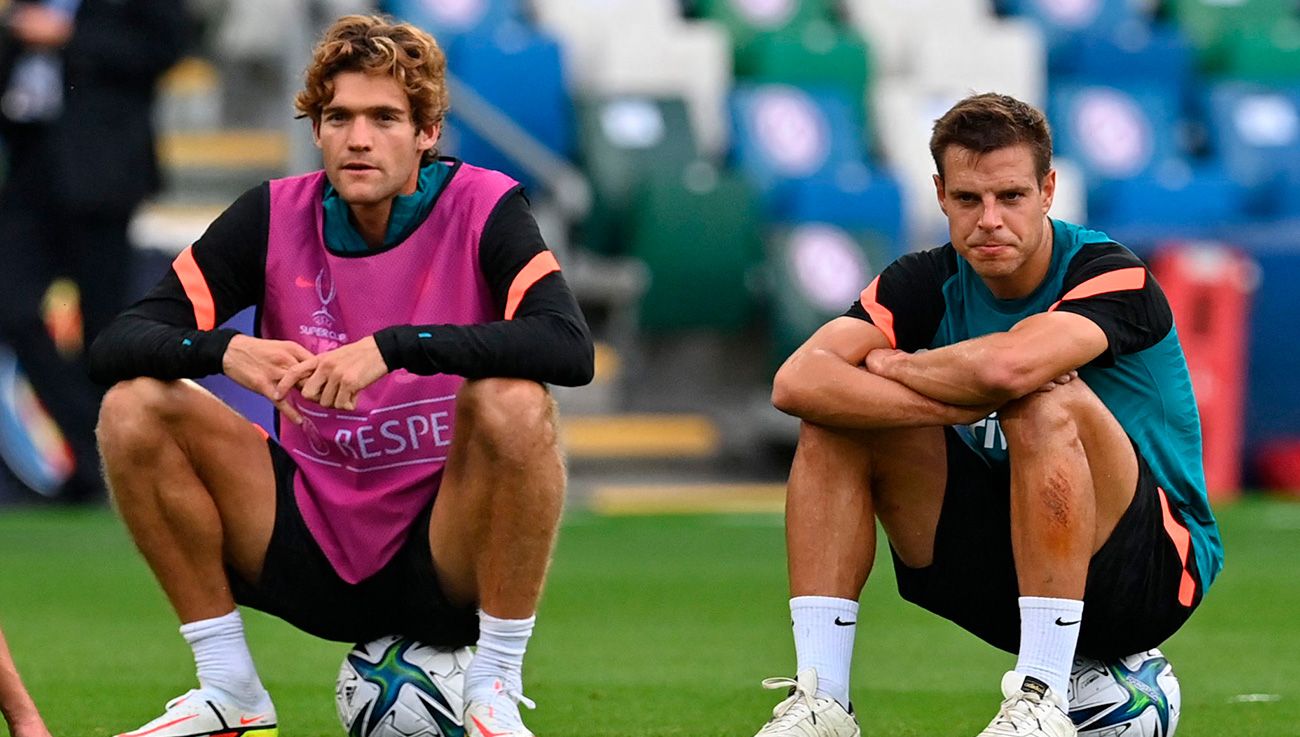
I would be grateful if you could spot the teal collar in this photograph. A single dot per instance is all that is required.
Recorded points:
(408, 212)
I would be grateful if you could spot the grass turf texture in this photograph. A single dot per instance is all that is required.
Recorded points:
(651, 626)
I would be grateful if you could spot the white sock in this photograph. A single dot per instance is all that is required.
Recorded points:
(222, 659)
(823, 640)
(499, 656)
(1049, 632)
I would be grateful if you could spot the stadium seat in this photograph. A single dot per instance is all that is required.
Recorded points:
(856, 199)
(1159, 54)
(1066, 23)
(818, 55)
(1271, 56)
(748, 20)
(1255, 130)
(892, 27)
(586, 27)
(691, 60)
(1114, 132)
(958, 59)
(1213, 25)
(621, 140)
(447, 19)
(784, 134)
(1176, 201)
(519, 71)
(813, 272)
(697, 231)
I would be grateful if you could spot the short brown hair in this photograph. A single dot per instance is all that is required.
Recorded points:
(377, 44)
(989, 121)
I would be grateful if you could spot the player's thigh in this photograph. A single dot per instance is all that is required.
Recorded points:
(227, 453)
(971, 576)
(907, 474)
(1033, 421)
(1141, 586)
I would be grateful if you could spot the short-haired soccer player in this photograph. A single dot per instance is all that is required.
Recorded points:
(409, 316)
(1015, 408)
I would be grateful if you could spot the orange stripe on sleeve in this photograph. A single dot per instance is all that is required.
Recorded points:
(1120, 280)
(541, 265)
(880, 314)
(1182, 543)
(196, 288)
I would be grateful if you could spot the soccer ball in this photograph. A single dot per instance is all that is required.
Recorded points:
(396, 687)
(1136, 696)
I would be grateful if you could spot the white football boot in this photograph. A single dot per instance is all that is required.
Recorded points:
(804, 713)
(498, 714)
(1030, 709)
(199, 713)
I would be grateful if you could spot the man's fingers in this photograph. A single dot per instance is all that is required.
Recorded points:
(292, 377)
(289, 411)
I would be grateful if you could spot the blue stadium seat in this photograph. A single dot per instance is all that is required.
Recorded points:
(866, 202)
(1255, 131)
(1178, 201)
(518, 70)
(783, 134)
(1066, 24)
(1115, 132)
(814, 271)
(447, 19)
(1137, 53)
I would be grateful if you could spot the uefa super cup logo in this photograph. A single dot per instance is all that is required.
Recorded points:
(325, 290)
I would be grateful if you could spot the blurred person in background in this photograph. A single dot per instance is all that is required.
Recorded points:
(411, 316)
(76, 97)
(19, 710)
(1015, 409)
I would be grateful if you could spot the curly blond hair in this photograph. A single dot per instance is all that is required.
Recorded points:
(377, 44)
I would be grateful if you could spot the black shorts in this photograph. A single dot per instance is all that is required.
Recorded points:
(1131, 601)
(299, 585)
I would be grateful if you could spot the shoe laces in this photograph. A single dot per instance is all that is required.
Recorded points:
(503, 705)
(1020, 711)
(794, 709)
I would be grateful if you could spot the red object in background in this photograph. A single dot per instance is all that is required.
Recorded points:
(1209, 287)
(1278, 466)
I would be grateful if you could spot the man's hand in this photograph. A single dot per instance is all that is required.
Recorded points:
(334, 378)
(258, 365)
(881, 360)
(38, 25)
(1061, 380)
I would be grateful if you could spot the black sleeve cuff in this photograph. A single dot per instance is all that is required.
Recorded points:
(395, 343)
(210, 347)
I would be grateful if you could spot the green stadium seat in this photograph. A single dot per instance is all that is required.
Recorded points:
(621, 140)
(1270, 57)
(697, 231)
(1214, 25)
(815, 56)
(814, 272)
(747, 20)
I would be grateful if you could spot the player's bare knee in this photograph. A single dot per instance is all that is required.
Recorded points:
(1042, 418)
(133, 416)
(507, 413)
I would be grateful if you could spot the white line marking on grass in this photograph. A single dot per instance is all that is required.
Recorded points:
(1255, 698)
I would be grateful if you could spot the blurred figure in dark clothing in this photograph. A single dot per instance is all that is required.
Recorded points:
(78, 80)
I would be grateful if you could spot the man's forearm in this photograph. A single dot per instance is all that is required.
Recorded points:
(957, 374)
(823, 389)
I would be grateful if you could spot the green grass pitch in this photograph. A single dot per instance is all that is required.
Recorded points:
(650, 626)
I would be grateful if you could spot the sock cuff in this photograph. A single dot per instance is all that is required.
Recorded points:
(499, 626)
(1073, 606)
(835, 603)
(231, 622)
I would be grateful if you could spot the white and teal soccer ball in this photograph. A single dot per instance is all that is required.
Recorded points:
(396, 687)
(1136, 696)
